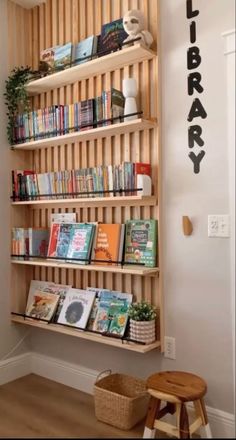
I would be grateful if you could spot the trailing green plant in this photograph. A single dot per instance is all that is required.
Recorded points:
(16, 97)
(142, 311)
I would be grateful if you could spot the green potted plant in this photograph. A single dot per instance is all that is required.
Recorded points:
(142, 321)
(16, 96)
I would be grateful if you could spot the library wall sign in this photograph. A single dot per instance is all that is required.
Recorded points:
(194, 89)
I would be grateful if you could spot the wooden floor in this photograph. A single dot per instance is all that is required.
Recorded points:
(34, 407)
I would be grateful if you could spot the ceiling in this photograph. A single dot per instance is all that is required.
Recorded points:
(28, 3)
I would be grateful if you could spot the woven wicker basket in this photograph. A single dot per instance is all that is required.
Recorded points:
(120, 400)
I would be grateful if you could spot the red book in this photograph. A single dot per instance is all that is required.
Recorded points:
(54, 232)
(141, 168)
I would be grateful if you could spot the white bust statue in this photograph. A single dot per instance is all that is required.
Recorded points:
(133, 23)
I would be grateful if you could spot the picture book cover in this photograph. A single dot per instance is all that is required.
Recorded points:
(83, 49)
(76, 308)
(141, 242)
(81, 237)
(63, 240)
(38, 241)
(38, 285)
(106, 313)
(107, 243)
(118, 313)
(98, 292)
(112, 36)
(42, 306)
(56, 57)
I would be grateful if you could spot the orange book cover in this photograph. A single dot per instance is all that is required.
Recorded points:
(107, 243)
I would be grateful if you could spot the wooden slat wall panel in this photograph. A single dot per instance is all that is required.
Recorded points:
(58, 22)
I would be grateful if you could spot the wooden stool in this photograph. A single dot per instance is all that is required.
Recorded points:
(176, 388)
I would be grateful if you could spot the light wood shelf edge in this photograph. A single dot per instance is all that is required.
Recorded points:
(92, 201)
(89, 135)
(131, 346)
(97, 66)
(143, 271)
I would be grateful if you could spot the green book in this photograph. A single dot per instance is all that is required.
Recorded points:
(81, 237)
(141, 242)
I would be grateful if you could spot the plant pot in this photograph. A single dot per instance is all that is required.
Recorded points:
(143, 331)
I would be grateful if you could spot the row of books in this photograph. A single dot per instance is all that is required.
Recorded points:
(100, 181)
(94, 309)
(63, 56)
(96, 243)
(57, 120)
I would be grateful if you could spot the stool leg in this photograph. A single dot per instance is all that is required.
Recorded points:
(183, 422)
(201, 410)
(154, 406)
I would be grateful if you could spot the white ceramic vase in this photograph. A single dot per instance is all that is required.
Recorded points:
(130, 92)
(143, 331)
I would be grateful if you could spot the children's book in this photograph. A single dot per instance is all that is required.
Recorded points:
(38, 241)
(42, 306)
(76, 308)
(118, 313)
(54, 232)
(57, 57)
(48, 287)
(36, 286)
(107, 244)
(141, 242)
(84, 49)
(98, 291)
(81, 238)
(63, 217)
(112, 309)
(112, 36)
(63, 240)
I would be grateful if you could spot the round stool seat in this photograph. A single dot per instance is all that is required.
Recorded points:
(184, 386)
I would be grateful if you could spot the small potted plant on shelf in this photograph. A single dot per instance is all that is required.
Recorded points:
(142, 322)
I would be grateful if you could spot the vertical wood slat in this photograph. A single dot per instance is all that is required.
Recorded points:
(61, 21)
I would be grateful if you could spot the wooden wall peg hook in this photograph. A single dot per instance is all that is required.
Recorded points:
(187, 225)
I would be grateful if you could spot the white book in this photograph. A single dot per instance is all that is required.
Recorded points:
(64, 217)
(76, 308)
(36, 286)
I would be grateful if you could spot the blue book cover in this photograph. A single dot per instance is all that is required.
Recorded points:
(63, 240)
(84, 49)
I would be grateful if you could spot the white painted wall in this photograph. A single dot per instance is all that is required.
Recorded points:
(229, 40)
(9, 335)
(197, 268)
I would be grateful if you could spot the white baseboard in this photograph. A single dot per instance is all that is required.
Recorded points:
(222, 423)
(15, 367)
(63, 372)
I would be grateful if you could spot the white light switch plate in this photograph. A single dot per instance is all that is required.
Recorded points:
(218, 225)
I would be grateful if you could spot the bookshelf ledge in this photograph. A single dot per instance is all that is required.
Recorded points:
(127, 345)
(91, 202)
(89, 135)
(126, 269)
(98, 66)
